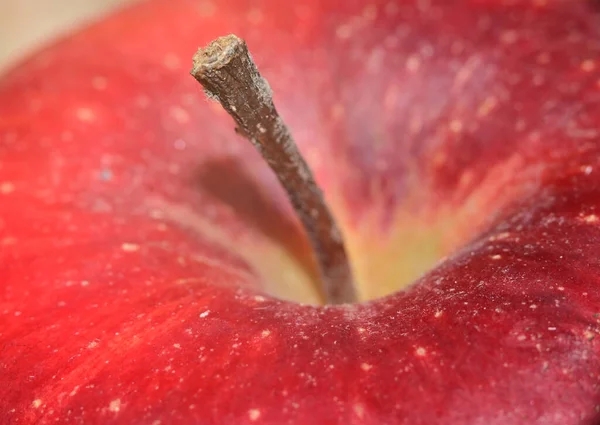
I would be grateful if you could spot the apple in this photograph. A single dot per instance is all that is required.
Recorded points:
(152, 270)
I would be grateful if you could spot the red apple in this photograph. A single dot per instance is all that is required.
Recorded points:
(152, 270)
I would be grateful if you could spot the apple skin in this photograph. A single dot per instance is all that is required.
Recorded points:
(137, 231)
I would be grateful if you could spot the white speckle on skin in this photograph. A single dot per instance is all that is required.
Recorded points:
(438, 314)
(533, 306)
(179, 114)
(259, 299)
(561, 288)
(586, 169)
(115, 405)
(496, 257)
(456, 126)
(413, 63)
(420, 352)
(172, 61)
(361, 330)
(130, 247)
(255, 16)
(85, 114)
(337, 111)
(375, 61)
(92, 345)
(551, 328)
(157, 214)
(500, 236)
(254, 414)
(591, 218)
(343, 32)
(588, 65)
(265, 333)
(8, 241)
(6, 188)
(36, 403)
(177, 346)
(359, 410)
(204, 314)
(84, 283)
(392, 95)
(180, 144)
(521, 338)
(487, 106)
(509, 37)
(589, 335)
(366, 367)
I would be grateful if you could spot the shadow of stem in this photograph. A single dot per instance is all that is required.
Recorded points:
(229, 183)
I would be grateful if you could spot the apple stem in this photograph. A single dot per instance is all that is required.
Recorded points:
(230, 76)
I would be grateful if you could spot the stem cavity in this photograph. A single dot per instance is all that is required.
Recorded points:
(229, 75)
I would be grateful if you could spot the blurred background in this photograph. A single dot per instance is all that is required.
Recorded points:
(25, 24)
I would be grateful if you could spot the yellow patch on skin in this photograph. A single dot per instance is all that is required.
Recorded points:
(422, 232)
(395, 261)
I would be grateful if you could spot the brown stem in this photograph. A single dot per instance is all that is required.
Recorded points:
(229, 75)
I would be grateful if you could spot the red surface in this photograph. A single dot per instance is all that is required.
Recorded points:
(118, 306)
